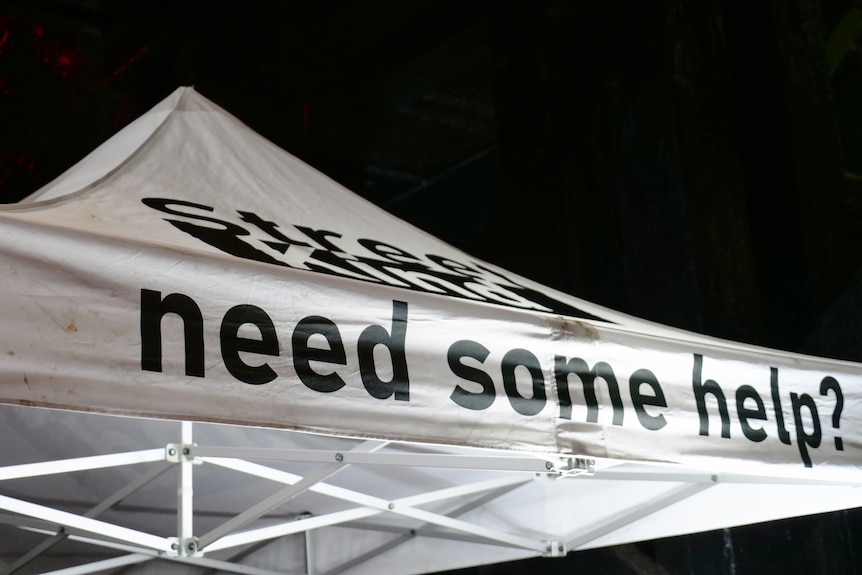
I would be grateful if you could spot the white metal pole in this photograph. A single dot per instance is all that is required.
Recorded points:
(66, 519)
(106, 504)
(310, 563)
(80, 464)
(374, 505)
(636, 512)
(281, 497)
(185, 494)
(98, 566)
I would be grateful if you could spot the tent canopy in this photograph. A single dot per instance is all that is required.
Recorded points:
(189, 270)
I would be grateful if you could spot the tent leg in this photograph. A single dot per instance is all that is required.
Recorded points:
(185, 496)
(310, 563)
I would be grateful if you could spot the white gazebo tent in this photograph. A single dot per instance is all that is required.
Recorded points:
(365, 397)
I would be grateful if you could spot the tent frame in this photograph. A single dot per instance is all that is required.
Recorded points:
(186, 455)
(187, 548)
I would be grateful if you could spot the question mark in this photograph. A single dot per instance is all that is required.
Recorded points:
(825, 385)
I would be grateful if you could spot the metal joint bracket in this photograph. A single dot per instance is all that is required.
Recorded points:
(585, 465)
(571, 466)
(180, 453)
(554, 549)
(578, 466)
(188, 547)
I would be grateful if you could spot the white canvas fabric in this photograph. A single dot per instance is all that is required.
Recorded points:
(191, 270)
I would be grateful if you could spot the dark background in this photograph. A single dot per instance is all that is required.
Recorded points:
(693, 162)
